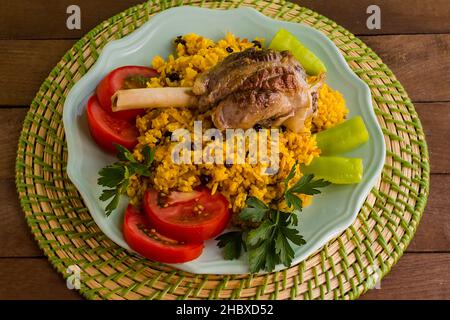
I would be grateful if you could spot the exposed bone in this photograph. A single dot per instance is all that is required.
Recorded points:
(146, 98)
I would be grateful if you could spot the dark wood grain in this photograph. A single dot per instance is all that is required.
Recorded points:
(435, 119)
(416, 276)
(15, 235)
(433, 233)
(24, 66)
(397, 16)
(46, 19)
(419, 62)
(11, 126)
(32, 278)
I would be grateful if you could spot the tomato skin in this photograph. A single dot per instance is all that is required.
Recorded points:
(169, 252)
(115, 81)
(180, 197)
(107, 130)
(180, 221)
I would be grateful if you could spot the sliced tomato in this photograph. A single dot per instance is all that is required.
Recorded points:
(196, 220)
(126, 77)
(179, 197)
(145, 240)
(107, 130)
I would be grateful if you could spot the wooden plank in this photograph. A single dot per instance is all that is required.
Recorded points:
(12, 120)
(32, 278)
(397, 16)
(416, 276)
(433, 233)
(419, 62)
(46, 19)
(435, 119)
(15, 235)
(26, 63)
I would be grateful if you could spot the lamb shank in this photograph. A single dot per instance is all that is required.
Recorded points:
(264, 87)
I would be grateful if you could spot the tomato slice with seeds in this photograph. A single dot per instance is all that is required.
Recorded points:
(145, 240)
(195, 220)
(179, 197)
(107, 130)
(127, 77)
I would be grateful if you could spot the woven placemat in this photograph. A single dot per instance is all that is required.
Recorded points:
(343, 269)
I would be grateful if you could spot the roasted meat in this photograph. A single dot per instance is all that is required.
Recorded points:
(251, 87)
(256, 87)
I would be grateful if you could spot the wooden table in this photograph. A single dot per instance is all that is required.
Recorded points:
(414, 42)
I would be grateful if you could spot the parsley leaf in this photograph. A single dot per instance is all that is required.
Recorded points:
(232, 243)
(112, 204)
(306, 185)
(149, 155)
(254, 211)
(260, 234)
(107, 193)
(293, 201)
(273, 241)
(116, 177)
(291, 174)
(111, 176)
(260, 257)
(123, 153)
(257, 257)
(293, 235)
(270, 243)
(283, 249)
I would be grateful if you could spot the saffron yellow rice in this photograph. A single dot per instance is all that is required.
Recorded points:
(195, 54)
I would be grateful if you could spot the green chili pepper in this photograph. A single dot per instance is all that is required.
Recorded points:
(337, 170)
(284, 40)
(343, 137)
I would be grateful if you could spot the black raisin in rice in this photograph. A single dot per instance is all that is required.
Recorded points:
(173, 76)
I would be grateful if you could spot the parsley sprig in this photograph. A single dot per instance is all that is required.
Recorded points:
(305, 185)
(232, 244)
(116, 177)
(271, 243)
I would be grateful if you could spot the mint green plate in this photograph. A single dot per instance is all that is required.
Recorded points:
(331, 212)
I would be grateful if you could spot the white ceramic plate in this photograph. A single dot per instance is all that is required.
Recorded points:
(331, 212)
